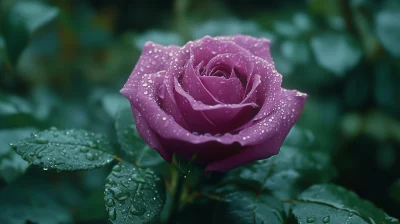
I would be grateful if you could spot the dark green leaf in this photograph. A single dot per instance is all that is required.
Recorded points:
(2, 52)
(388, 30)
(245, 207)
(21, 21)
(133, 195)
(11, 164)
(394, 191)
(386, 89)
(92, 208)
(330, 203)
(337, 53)
(131, 143)
(113, 102)
(65, 150)
(15, 112)
(31, 202)
(285, 174)
(299, 138)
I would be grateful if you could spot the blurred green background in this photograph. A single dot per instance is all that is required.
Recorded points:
(62, 63)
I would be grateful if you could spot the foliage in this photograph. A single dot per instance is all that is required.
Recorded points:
(62, 65)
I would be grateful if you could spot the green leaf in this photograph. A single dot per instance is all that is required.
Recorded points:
(329, 203)
(299, 138)
(295, 51)
(32, 202)
(65, 150)
(285, 175)
(245, 207)
(11, 164)
(92, 208)
(386, 89)
(394, 191)
(21, 21)
(2, 52)
(15, 112)
(113, 102)
(337, 53)
(131, 142)
(133, 195)
(388, 30)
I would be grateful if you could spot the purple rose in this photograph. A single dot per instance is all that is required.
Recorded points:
(219, 98)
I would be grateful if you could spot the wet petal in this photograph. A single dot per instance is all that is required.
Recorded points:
(149, 136)
(192, 84)
(259, 47)
(151, 60)
(207, 48)
(265, 138)
(219, 118)
(237, 64)
(229, 91)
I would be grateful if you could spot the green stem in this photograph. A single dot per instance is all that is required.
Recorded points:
(181, 7)
(177, 198)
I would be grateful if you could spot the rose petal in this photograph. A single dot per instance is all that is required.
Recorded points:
(193, 85)
(270, 89)
(151, 60)
(168, 104)
(233, 62)
(266, 137)
(229, 91)
(259, 47)
(207, 48)
(219, 118)
(149, 136)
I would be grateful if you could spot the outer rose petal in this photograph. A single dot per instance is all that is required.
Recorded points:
(151, 60)
(290, 104)
(149, 136)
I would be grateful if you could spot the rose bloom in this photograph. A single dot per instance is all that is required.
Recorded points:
(219, 99)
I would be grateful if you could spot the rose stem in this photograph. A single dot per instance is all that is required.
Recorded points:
(177, 197)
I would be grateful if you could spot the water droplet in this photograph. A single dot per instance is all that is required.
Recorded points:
(119, 194)
(125, 184)
(83, 149)
(41, 141)
(13, 146)
(90, 156)
(39, 155)
(112, 214)
(45, 168)
(110, 181)
(55, 134)
(164, 118)
(117, 168)
(138, 179)
(311, 220)
(136, 211)
(110, 202)
(327, 219)
(351, 214)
